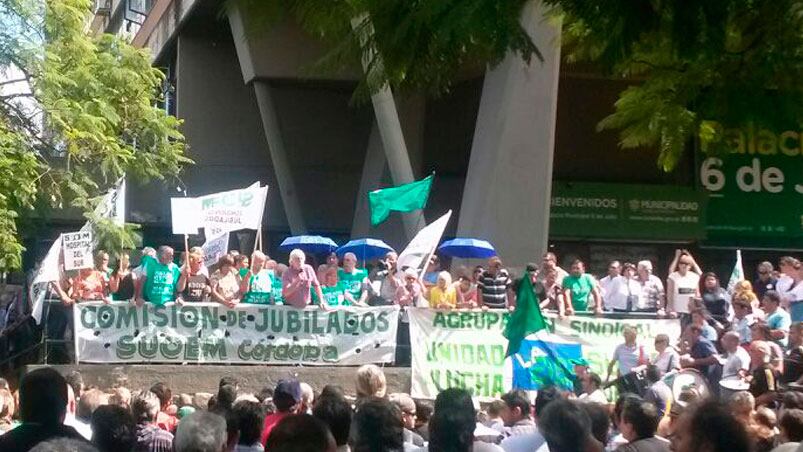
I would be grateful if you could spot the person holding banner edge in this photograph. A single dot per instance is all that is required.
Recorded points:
(122, 283)
(159, 280)
(354, 279)
(298, 280)
(225, 283)
(256, 284)
(193, 284)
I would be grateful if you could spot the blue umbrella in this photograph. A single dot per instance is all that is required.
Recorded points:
(365, 249)
(313, 244)
(467, 248)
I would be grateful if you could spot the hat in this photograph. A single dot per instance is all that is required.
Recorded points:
(185, 411)
(289, 388)
(531, 267)
(578, 362)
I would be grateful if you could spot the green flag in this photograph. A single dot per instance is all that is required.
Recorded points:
(404, 198)
(526, 319)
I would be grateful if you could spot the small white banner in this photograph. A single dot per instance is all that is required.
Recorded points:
(215, 248)
(77, 250)
(233, 210)
(247, 334)
(185, 215)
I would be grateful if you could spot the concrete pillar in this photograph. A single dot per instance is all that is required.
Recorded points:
(373, 171)
(509, 180)
(390, 130)
(401, 171)
(278, 155)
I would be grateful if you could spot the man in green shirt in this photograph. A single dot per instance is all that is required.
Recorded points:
(276, 270)
(160, 278)
(353, 279)
(333, 291)
(577, 287)
(257, 282)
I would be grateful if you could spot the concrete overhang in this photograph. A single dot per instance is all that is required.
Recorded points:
(282, 51)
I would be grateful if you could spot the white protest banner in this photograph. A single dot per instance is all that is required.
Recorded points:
(247, 334)
(185, 215)
(111, 206)
(423, 244)
(77, 250)
(47, 272)
(215, 248)
(447, 352)
(233, 210)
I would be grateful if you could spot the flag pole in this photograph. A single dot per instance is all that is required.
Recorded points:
(258, 238)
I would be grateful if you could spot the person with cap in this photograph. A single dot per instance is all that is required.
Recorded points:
(406, 405)
(410, 290)
(409, 293)
(287, 399)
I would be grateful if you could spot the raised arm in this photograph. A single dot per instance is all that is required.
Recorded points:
(674, 265)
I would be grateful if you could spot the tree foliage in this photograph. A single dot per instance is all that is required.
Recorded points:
(76, 113)
(697, 65)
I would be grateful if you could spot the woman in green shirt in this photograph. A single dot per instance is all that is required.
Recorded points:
(256, 285)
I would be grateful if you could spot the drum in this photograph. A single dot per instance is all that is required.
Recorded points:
(633, 382)
(686, 379)
(727, 388)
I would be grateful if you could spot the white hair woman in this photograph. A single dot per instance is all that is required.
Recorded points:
(443, 295)
(257, 284)
(297, 281)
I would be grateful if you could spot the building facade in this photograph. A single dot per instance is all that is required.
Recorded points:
(514, 148)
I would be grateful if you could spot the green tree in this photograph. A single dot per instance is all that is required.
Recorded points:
(76, 113)
(697, 66)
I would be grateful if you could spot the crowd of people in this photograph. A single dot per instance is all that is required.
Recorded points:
(744, 342)
(51, 412)
(258, 279)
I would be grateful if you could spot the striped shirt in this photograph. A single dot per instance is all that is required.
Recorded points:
(494, 288)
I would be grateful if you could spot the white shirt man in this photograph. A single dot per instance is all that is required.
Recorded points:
(614, 270)
(737, 357)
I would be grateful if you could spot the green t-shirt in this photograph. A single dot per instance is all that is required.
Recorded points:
(259, 288)
(276, 288)
(242, 272)
(334, 295)
(580, 287)
(160, 285)
(352, 282)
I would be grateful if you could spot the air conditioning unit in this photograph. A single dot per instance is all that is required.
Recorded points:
(102, 7)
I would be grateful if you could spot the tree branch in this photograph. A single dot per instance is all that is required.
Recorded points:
(14, 80)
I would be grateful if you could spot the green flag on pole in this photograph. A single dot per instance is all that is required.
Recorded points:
(404, 198)
(526, 319)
